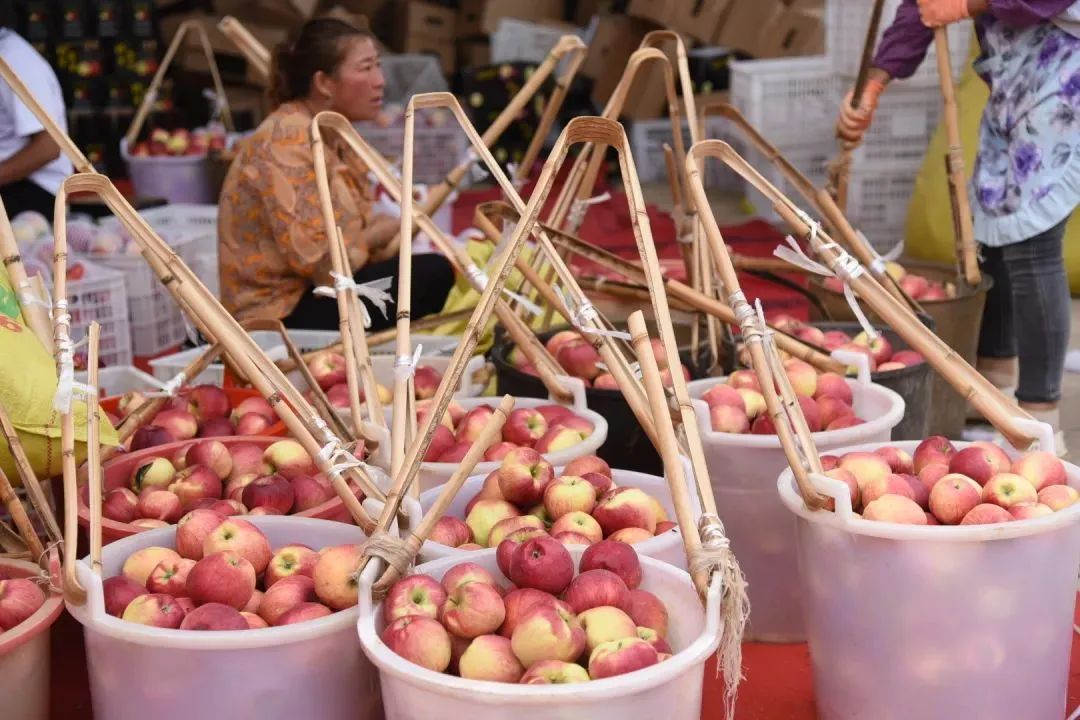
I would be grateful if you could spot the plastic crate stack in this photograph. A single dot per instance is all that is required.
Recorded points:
(885, 166)
(647, 139)
(100, 295)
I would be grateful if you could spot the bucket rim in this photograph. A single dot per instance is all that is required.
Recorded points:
(886, 421)
(163, 159)
(40, 621)
(93, 618)
(785, 485)
(648, 548)
(486, 692)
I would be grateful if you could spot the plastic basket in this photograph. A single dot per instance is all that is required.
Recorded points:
(811, 157)
(671, 689)
(742, 469)
(789, 100)
(903, 124)
(407, 75)
(878, 201)
(101, 296)
(205, 267)
(119, 380)
(522, 41)
(908, 621)
(647, 138)
(24, 653)
(666, 548)
(436, 150)
(183, 179)
(307, 670)
(138, 276)
(846, 22)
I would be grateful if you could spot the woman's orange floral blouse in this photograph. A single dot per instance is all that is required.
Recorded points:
(273, 245)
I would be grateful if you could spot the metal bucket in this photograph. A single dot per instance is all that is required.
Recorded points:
(956, 321)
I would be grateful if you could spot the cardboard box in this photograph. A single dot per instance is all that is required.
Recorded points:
(585, 10)
(655, 11)
(473, 53)
(616, 38)
(793, 33)
(700, 19)
(425, 28)
(481, 17)
(444, 50)
(232, 63)
(744, 26)
(271, 12)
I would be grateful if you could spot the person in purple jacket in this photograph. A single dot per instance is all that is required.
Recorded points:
(1026, 180)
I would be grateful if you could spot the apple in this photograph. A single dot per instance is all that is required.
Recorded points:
(228, 507)
(569, 539)
(810, 334)
(931, 473)
(659, 644)
(914, 285)
(1058, 497)
(1026, 511)
(211, 454)
(803, 377)
(485, 514)
(420, 640)
(894, 509)
(563, 337)
(214, 617)
(154, 610)
(601, 483)
(490, 657)
(311, 491)
(181, 424)
(986, 514)
(256, 405)
(255, 602)
(243, 538)
(579, 359)
(625, 507)
(810, 412)
(441, 441)
(284, 595)
(473, 609)
(578, 523)
(170, 577)
(217, 427)
(289, 459)
(907, 358)
(142, 562)
(119, 505)
(980, 462)
(524, 427)
(291, 560)
(208, 402)
(19, 599)
(553, 413)
(335, 576)
(1006, 489)
(450, 531)
(568, 494)
(466, 572)
(221, 577)
(426, 381)
(156, 473)
(830, 384)
(254, 621)
(554, 672)
(504, 528)
(868, 468)
(620, 657)
(192, 531)
(829, 462)
(339, 396)
(754, 402)
(721, 394)
(328, 368)
(498, 451)
(423, 409)
(744, 379)
(253, 424)
(523, 476)
(919, 492)
(646, 610)
(835, 339)
(663, 527)
(952, 497)
(899, 461)
(247, 460)
(542, 563)
(504, 551)
(456, 453)
(149, 523)
(1041, 469)
(831, 409)
(891, 484)
(934, 449)
(271, 491)
(594, 588)
(473, 424)
(547, 631)
(194, 483)
(729, 419)
(604, 624)
(414, 595)
(880, 348)
(615, 557)
(118, 591)
(517, 601)
(890, 366)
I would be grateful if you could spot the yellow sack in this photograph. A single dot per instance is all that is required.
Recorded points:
(929, 222)
(27, 386)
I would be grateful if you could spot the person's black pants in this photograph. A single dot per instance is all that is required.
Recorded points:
(27, 195)
(432, 279)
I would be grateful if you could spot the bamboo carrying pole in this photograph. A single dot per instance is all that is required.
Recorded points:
(155, 84)
(963, 225)
(34, 308)
(988, 400)
(254, 51)
(840, 169)
(551, 111)
(533, 349)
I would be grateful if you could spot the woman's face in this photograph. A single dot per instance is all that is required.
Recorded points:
(356, 89)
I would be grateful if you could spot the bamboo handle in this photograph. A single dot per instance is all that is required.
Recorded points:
(954, 164)
(403, 423)
(93, 447)
(254, 51)
(551, 110)
(19, 517)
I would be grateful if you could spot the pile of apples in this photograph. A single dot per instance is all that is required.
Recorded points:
(555, 623)
(328, 369)
(223, 575)
(203, 411)
(739, 407)
(545, 429)
(581, 360)
(200, 141)
(237, 479)
(916, 286)
(523, 499)
(19, 599)
(883, 357)
(940, 485)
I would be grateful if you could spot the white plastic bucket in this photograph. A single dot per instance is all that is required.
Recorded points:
(24, 655)
(936, 622)
(743, 470)
(670, 690)
(308, 670)
(666, 548)
(382, 366)
(177, 179)
(434, 474)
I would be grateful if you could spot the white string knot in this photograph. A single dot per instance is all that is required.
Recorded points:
(169, 388)
(374, 292)
(405, 365)
(337, 457)
(29, 298)
(66, 387)
(480, 280)
(581, 206)
(512, 169)
(217, 104)
(584, 317)
(745, 317)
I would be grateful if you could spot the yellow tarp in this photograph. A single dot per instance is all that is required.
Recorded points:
(929, 223)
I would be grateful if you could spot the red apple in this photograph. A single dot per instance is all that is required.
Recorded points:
(473, 609)
(547, 631)
(284, 595)
(579, 523)
(194, 483)
(304, 612)
(594, 588)
(271, 491)
(646, 610)
(894, 509)
(623, 508)
(473, 424)
(289, 459)
(579, 359)
(211, 454)
(223, 577)
(180, 424)
(247, 460)
(498, 451)
(256, 405)
(19, 599)
(986, 514)
(142, 562)
(192, 531)
(241, 537)
(335, 576)
(156, 474)
(119, 591)
(542, 563)
(1041, 469)
(952, 497)
(524, 426)
(154, 610)
(441, 442)
(450, 531)
(554, 672)
(208, 402)
(170, 577)
(414, 595)
(980, 462)
(1007, 489)
(291, 560)
(119, 505)
(311, 491)
(620, 657)
(523, 476)
(485, 514)
(214, 617)
(419, 640)
(616, 557)
(150, 436)
(253, 424)
(934, 449)
(504, 551)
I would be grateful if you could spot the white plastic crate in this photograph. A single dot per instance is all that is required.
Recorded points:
(878, 203)
(521, 41)
(846, 22)
(100, 295)
(199, 222)
(647, 138)
(788, 99)
(205, 266)
(154, 338)
(903, 124)
(810, 157)
(121, 379)
(167, 366)
(436, 150)
(141, 280)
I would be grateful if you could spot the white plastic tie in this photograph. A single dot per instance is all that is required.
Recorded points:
(476, 172)
(512, 169)
(375, 292)
(405, 365)
(29, 298)
(337, 457)
(217, 104)
(169, 388)
(66, 387)
(686, 238)
(745, 317)
(584, 315)
(581, 206)
(481, 280)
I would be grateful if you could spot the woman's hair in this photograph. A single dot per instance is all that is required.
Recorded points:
(320, 44)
